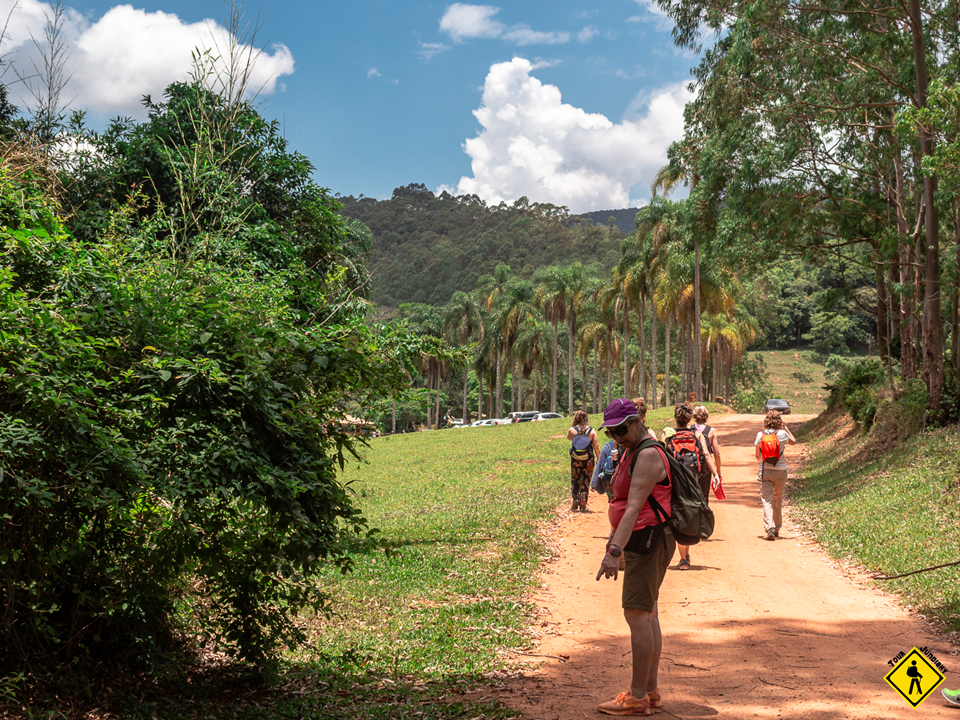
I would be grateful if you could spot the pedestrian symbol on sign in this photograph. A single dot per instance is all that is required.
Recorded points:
(914, 677)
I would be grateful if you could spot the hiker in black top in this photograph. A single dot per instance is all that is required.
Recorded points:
(683, 416)
(584, 451)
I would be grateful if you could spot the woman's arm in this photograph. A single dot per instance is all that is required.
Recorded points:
(792, 440)
(596, 444)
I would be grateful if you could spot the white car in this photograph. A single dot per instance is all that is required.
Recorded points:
(549, 416)
(496, 421)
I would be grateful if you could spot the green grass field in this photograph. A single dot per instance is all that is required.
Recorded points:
(796, 379)
(891, 510)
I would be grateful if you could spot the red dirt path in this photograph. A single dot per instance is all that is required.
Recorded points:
(755, 629)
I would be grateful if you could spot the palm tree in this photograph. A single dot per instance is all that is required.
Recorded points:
(463, 322)
(551, 296)
(517, 304)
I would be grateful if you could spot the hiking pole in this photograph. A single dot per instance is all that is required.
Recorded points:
(914, 572)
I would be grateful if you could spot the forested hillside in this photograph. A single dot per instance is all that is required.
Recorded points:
(624, 220)
(425, 247)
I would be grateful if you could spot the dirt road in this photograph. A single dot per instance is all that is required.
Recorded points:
(755, 629)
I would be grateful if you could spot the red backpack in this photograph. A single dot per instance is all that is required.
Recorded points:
(685, 448)
(770, 448)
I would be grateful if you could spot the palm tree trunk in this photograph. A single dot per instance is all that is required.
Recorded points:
(553, 378)
(643, 345)
(570, 339)
(437, 417)
(480, 396)
(393, 422)
(653, 355)
(595, 385)
(466, 380)
(666, 361)
(626, 345)
(499, 406)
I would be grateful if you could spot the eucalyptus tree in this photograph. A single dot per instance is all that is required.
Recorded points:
(793, 130)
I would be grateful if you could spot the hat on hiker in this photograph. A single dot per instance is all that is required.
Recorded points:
(618, 412)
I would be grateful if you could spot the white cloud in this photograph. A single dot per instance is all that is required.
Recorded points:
(373, 72)
(588, 34)
(653, 14)
(523, 35)
(532, 144)
(127, 53)
(428, 50)
(463, 22)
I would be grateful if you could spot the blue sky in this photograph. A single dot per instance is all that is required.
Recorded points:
(560, 101)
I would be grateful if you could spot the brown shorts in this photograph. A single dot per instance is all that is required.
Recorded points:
(644, 574)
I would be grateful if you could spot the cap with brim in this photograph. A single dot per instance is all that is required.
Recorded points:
(668, 432)
(618, 412)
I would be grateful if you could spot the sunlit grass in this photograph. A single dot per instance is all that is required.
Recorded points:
(892, 511)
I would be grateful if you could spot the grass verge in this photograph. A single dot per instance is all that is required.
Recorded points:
(888, 509)
(437, 603)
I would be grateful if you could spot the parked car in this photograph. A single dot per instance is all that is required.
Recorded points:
(778, 404)
(548, 416)
(524, 416)
(495, 421)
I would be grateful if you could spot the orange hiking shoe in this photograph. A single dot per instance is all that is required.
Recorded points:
(626, 704)
(654, 697)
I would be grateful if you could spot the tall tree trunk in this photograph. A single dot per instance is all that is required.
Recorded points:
(393, 420)
(553, 378)
(879, 278)
(480, 396)
(932, 325)
(499, 400)
(666, 361)
(955, 291)
(907, 364)
(626, 345)
(466, 382)
(643, 345)
(697, 362)
(595, 385)
(654, 400)
(437, 417)
(573, 332)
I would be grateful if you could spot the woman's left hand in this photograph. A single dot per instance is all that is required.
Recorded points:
(609, 567)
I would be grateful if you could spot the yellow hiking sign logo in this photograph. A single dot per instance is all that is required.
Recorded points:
(914, 676)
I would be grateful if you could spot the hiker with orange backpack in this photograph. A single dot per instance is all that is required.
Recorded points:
(689, 446)
(772, 472)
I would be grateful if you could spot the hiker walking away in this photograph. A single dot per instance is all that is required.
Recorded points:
(689, 446)
(640, 474)
(700, 416)
(772, 471)
(584, 450)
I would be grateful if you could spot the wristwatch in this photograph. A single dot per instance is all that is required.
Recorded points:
(614, 550)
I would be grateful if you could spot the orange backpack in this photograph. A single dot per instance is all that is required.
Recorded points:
(770, 448)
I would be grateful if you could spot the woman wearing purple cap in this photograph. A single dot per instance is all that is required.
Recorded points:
(638, 536)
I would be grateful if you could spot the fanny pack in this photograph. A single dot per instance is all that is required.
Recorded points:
(646, 538)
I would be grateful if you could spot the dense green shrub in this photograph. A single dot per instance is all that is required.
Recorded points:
(860, 386)
(169, 402)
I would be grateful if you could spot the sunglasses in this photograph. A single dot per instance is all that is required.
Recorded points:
(620, 429)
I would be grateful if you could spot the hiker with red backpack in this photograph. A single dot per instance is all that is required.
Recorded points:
(772, 472)
(689, 446)
(584, 451)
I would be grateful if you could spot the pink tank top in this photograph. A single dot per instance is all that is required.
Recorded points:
(621, 488)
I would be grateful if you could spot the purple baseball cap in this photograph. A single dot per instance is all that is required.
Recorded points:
(618, 412)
